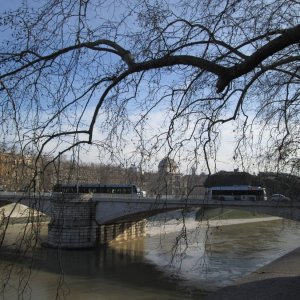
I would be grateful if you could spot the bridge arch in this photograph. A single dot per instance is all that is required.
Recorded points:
(39, 202)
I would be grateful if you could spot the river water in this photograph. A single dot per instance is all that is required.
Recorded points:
(203, 260)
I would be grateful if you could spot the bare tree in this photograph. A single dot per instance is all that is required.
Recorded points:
(89, 72)
(140, 78)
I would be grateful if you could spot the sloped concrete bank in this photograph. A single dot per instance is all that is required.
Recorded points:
(279, 280)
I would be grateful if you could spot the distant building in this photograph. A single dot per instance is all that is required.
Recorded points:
(169, 178)
(195, 184)
(15, 171)
(168, 166)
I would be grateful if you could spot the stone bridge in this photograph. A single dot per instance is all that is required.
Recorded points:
(84, 220)
(109, 210)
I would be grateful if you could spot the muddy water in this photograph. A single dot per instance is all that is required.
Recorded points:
(203, 260)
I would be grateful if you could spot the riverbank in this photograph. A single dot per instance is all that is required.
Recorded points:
(279, 280)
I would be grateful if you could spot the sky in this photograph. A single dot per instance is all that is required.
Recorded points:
(224, 160)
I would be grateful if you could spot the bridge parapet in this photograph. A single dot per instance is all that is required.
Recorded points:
(132, 208)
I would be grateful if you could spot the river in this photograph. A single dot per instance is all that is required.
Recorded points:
(149, 268)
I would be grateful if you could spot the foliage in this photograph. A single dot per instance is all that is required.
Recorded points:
(231, 178)
(285, 184)
(274, 183)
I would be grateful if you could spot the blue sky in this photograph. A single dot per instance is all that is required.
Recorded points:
(155, 121)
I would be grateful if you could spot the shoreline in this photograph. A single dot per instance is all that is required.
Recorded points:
(278, 280)
(154, 228)
(227, 222)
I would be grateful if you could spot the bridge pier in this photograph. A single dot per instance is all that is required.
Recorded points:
(72, 224)
(120, 232)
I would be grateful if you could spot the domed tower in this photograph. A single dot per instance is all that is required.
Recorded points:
(169, 182)
(168, 165)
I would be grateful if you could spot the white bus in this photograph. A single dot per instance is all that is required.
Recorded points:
(237, 192)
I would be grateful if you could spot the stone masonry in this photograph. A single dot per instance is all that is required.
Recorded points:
(72, 223)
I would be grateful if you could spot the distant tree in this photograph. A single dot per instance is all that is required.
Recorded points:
(281, 183)
(231, 178)
(274, 183)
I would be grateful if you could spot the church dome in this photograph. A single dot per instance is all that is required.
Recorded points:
(167, 165)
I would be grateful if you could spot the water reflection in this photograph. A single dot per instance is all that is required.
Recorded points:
(149, 268)
(106, 273)
(219, 255)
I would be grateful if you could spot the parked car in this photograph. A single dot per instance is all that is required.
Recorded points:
(280, 197)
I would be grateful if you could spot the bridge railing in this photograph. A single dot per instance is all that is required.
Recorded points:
(36, 194)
